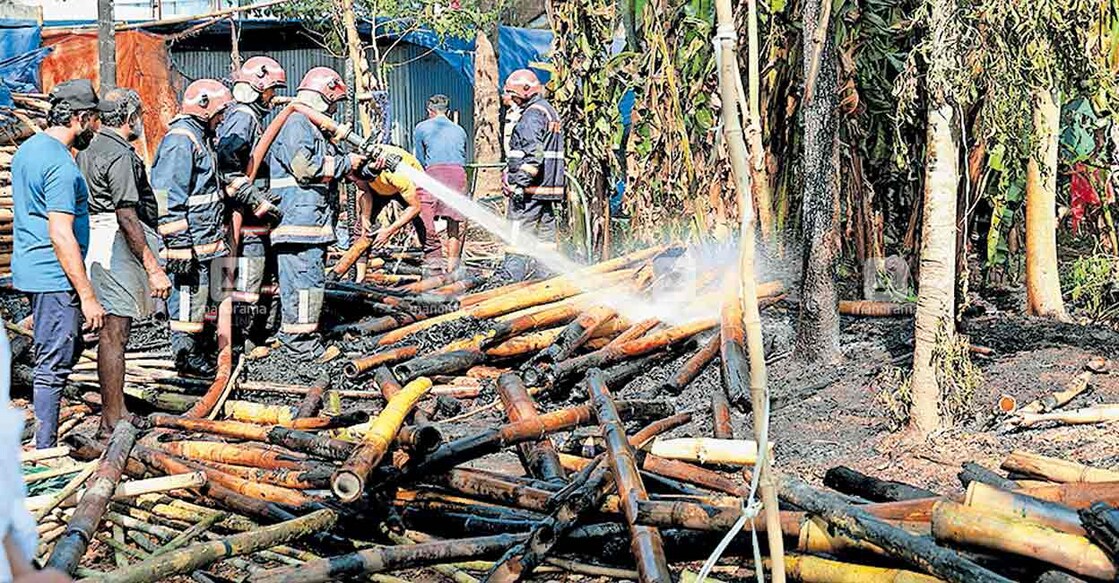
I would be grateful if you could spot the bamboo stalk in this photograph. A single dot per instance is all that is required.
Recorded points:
(133, 489)
(1055, 470)
(54, 473)
(39, 455)
(1085, 416)
(191, 533)
(383, 559)
(722, 428)
(646, 543)
(81, 528)
(959, 524)
(348, 482)
(539, 458)
(693, 366)
(1026, 508)
(199, 555)
(809, 569)
(72, 486)
(707, 450)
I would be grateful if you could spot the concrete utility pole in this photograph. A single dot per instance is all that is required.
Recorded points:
(106, 45)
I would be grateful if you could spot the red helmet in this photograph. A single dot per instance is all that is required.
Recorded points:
(325, 82)
(523, 84)
(262, 73)
(205, 98)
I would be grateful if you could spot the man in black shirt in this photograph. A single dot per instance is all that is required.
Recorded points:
(123, 254)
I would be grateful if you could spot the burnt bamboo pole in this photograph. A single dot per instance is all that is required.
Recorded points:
(1055, 470)
(721, 426)
(355, 368)
(585, 493)
(693, 366)
(973, 472)
(349, 258)
(539, 457)
(348, 482)
(577, 333)
(316, 479)
(83, 525)
(199, 555)
(959, 524)
(312, 401)
(1022, 507)
(439, 363)
(528, 343)
(263, 492)
(848, 481)
(379, 560)
(240, 455)
(299, 441)
(646, 543)
(855, 522)
(732, 351)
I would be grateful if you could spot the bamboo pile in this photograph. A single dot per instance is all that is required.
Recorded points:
(16, 125)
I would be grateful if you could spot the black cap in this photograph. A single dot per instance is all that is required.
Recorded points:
(79, 95)
(438, 101)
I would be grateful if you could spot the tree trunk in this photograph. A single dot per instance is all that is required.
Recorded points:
(818, 323)
(106, 46)
(1043, 285)
(361, 67)
(487, 117)
(936, 288)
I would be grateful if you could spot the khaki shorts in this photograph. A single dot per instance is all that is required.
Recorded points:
(118, 276)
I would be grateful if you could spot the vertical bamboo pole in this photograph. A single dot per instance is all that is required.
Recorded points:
(357, 57)
(759, 174)
(736, 148)
(1043, 284)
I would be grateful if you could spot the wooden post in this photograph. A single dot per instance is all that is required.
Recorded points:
(357, 57)
(106, 46)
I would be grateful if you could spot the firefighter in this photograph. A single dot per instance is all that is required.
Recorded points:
(185, 173)
(305, 169)
(534, 179)
(255, 213)
(380, 184)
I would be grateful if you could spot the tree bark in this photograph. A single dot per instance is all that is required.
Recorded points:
(1043, 284)
(106, 46)
(936, 287)
(818, 322)
(487, 117)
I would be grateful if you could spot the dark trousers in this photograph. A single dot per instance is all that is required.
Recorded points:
(535, 217)
(302, 287)
(57, 345)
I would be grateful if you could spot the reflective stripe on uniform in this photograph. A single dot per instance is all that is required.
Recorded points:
(286, 182)
(245, 297)
(327, 168)
(302, 231)
(173, 227)
(201, 199)
(184, 305)
(553, 155)
(299, 328)
(258, 231)
(169, 253)
(302, 316)
(515, 154)
(545, 190)
(187, 327)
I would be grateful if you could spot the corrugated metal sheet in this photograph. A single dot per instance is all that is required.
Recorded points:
(414, 74)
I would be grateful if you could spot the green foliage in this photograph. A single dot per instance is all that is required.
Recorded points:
(1092, 283)
(957, 376)
(458, 18)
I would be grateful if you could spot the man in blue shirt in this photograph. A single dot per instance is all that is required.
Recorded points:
(51, 236)
(440, 145)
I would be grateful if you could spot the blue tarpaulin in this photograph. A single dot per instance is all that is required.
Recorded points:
(20, 55)
(518, 47)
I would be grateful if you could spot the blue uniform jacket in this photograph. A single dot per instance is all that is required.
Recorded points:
(535, 156)
(304, 169)
(185, 171)
(237, 135)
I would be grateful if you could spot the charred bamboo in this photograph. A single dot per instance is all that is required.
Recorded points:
(316, 479)
(350, 257)
(539, 457)
(79, 532)
(722, 428)
(200, 555)
(848, 481)
(312, 401)
(356, 368)
(959, 524)
(348, 482)
(732, 351)
(577, 333)
(693, 366)
(435, 364)
(299, 441)
(973, 472)
(240, 455)
(1055, 470)
(423, 437)
(646, 542)
(855, 522)
(1026, 508)
(383, 559)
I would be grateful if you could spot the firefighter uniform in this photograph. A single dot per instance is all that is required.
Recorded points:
(237, 135)
(535, 165)
(185, 173)
(304, 168)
